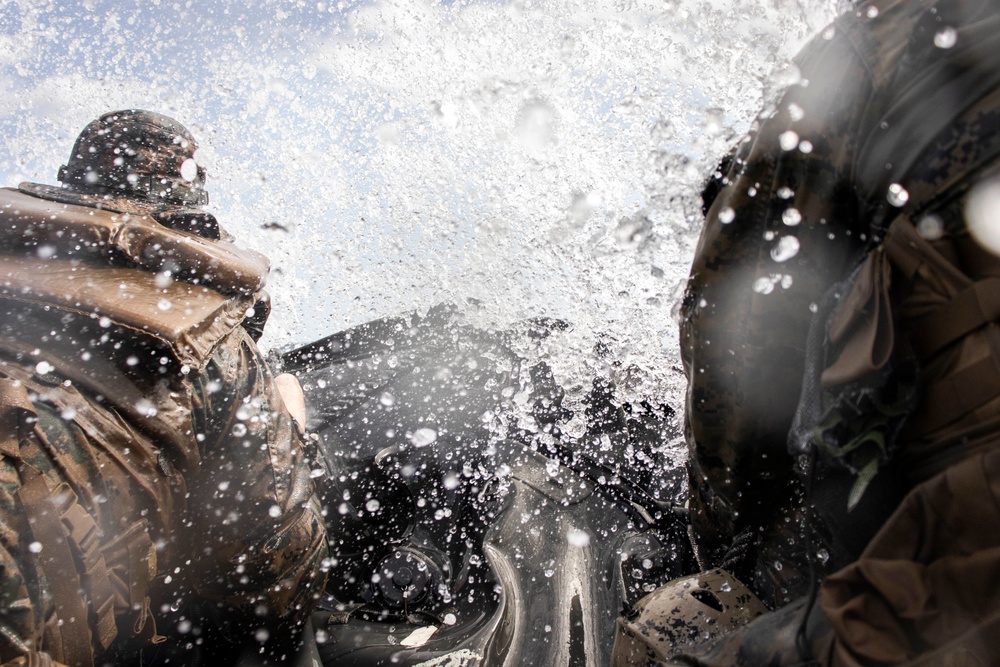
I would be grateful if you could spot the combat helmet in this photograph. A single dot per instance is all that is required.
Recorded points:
(135, 161)
(139, 154)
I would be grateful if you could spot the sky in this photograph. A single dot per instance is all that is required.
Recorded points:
(542, 158)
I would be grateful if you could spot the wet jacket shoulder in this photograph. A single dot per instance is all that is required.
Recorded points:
(788, 216)
(139, 326)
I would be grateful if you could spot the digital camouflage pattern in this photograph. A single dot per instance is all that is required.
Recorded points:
(134, 403)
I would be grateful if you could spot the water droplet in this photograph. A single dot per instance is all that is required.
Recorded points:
(35, 547)
(239, 430)
(164, 304)
(982, 217)
(931, 227)
(727, 215)
(387, 399)
(43, 368)
(726, 587)
(806, 147)
(788, 140)
(145, 407)
(945, 38)
(763, 285)
(578, 538)
(787, 247)
(262, 635)
(164, 279)
(872, 12)
(189, 170)
(536, 125)
(68, 413)
(897, 195)
(423, 437)
(451, 481)
(785, 192)
(373, 505)
(274, 511)
(223, 486)
(449, 619)
(791, 217)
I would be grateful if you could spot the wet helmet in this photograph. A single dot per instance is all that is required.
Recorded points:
(684, 612)
(136, 154)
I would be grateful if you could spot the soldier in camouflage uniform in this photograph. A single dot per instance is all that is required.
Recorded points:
(836, 259)
(155, 499)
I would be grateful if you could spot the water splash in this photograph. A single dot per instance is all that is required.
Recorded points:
(544, 159)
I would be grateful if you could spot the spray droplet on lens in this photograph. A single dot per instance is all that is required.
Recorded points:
(945, 38)
(897, 195)
(787, 247)
(791, 217)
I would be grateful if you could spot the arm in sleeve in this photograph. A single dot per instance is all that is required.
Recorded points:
(779, 231)
(261, 540)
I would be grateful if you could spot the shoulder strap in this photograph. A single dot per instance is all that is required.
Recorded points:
(60, 569)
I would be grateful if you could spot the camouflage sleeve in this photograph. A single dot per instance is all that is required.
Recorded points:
(779, 230)
(22, 605)
(260, 536)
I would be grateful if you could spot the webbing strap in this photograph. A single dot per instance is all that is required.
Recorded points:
(959, 393)
(14, 403)
(970, 309)
(84, 532)
(60, 568)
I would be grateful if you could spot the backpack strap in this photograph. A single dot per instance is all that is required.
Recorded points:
(84, 534)
(60, 568)
(14, 404)
(971, 306)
